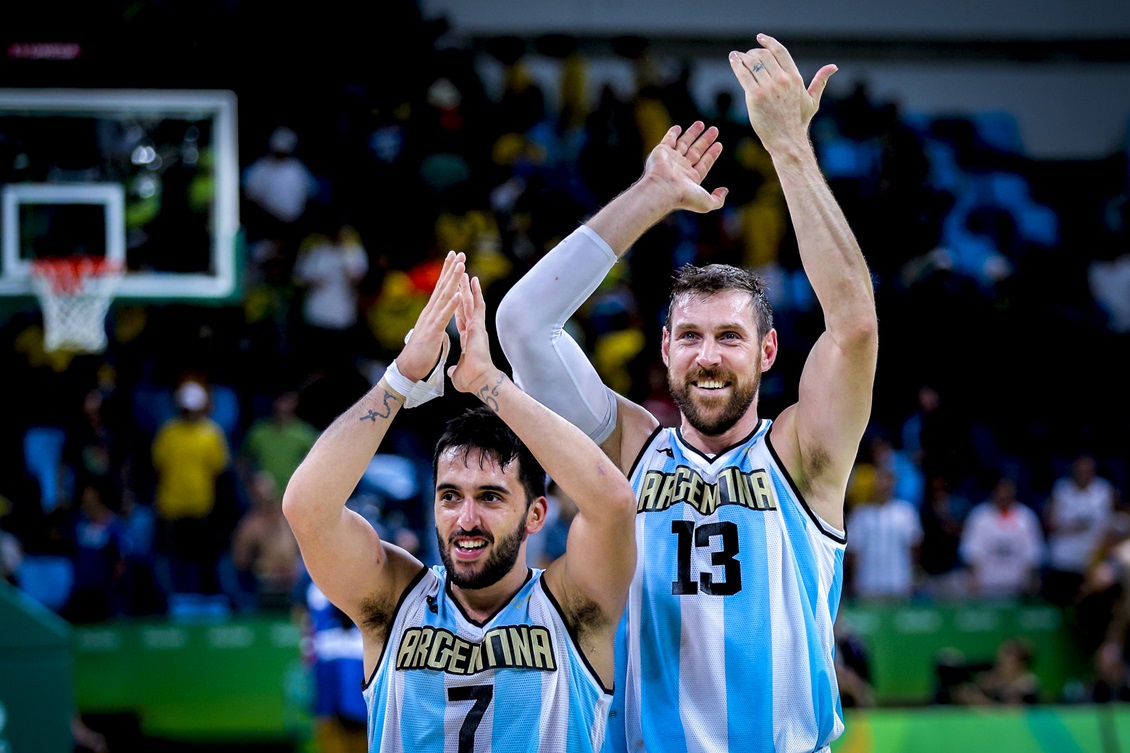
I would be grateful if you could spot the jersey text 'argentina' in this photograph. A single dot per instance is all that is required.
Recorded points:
(661, 490)
(510, 646)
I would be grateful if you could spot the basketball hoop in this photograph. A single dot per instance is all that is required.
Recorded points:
(75, 293)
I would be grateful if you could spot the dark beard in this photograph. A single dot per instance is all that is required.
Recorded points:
(498, 564)
(732, 412)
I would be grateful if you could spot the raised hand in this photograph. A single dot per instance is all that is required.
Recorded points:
(679, 164)
(423, 349)
(475, 371)
(780, 106)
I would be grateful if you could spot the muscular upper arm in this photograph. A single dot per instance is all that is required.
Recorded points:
(818, 437)
(591, 580)
(358, 573)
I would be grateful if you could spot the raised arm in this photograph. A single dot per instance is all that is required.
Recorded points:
(547, 363)
(819, 436)
(601, 554)
(359, 573)
(672, 179)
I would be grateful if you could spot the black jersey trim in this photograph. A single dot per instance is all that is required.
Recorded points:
(573, 636)
(821, 525)
(643, 449)
(503, 605)
(400, 603)
(683, 441)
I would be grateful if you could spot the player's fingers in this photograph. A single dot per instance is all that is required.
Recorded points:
(738, 65)
(771, 67)
(758, 61)
(449, 271)
(819, 81)
(460, 325)
(453, 266)
(670, 139)
(708, 159)
(465, 294)
(450, 306)
(693, 132)
(460, 303)
(783, 58)
(437, 291)
(480, 304)
(702, 145)
(449, 263)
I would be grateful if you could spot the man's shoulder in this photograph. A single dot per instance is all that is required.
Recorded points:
(980, 513)
(256, 430)
(905, 508)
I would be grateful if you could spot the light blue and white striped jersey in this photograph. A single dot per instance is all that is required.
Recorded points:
(517, 683)
(729, 622)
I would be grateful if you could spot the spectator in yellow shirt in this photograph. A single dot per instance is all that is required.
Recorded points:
(189, 454)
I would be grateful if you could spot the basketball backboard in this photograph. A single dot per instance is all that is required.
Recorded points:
(147, 178)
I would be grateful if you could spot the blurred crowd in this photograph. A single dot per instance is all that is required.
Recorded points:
(147, 480)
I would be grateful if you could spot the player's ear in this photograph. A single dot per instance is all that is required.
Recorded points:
(769, 350)
(535, 515)
(665, 348)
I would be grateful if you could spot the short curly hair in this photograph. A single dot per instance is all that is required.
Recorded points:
(479, 428)
(703, 282)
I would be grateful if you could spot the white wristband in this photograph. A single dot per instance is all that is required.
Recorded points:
(418, 393)
(398, 382)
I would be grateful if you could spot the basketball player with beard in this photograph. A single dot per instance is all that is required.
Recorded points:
(483, 652)
(727, 642)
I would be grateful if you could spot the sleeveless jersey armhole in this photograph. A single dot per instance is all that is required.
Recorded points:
(826, 528)
(395, 613)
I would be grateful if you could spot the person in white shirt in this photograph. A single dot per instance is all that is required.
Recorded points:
(278, 182)
(1003, 545)
(885, 535)
(1079, 510)
(277, 190)
(330, 268)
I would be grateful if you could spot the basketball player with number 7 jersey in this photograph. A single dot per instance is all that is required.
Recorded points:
(482, 652)
(727, 642)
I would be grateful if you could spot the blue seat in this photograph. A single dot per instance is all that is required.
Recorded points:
(225, 409)
(847, 158)
(1034, 221)
(999, 130)
(47, 578)
(43, 455)
(189, 607)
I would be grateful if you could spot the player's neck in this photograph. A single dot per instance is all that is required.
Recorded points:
(480, 604)
(713, 444)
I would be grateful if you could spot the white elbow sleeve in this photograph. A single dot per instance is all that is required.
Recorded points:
(548, 364)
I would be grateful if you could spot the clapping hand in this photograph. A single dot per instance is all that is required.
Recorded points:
(475, 371)
(679, 164)
(423, 349)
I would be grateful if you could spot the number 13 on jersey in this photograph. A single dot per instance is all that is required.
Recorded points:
(721, 539)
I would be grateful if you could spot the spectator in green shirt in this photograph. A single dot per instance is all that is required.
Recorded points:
(277, 443)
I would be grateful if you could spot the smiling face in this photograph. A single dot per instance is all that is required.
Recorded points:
(715, 358)
(483, 515)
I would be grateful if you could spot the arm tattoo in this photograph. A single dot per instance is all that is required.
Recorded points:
(373, 415)
(489, 395)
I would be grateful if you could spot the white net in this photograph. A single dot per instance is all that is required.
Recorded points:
(75, 296)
